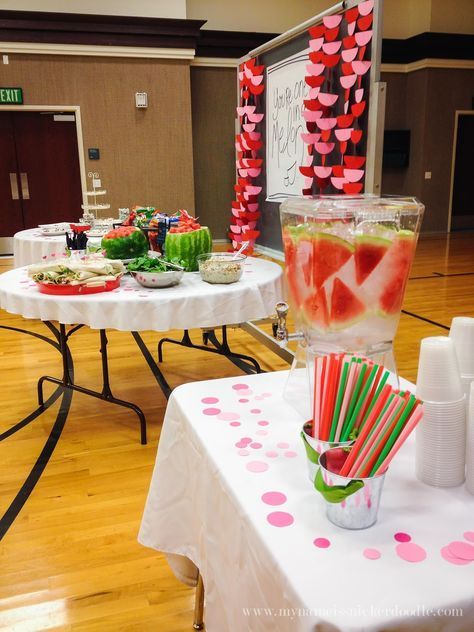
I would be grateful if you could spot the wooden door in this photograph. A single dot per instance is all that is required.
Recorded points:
(48, 168)
(462, 209)
(11, 218)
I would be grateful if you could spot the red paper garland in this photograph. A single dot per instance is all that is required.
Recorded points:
(245, 209)
(338, 59)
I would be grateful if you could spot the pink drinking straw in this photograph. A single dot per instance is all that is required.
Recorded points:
(367, 428)
(416, 417)
(318, 367)
(381, 427)
(352, 377)
(322, 392)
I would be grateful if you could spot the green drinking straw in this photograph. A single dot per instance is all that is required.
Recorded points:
(340, 394)
(360, 403)
(380, 440)
(377, 393)
(396, 431)
(355, 395)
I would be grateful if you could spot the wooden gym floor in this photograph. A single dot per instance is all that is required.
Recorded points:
(70, 560)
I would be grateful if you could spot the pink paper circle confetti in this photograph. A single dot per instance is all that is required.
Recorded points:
(258, 398)
(247, 392)
(372, 554)
(464, 550)
(209, 400)
(446, 554)
(246, 440)
(239, 387)
(243, 401)
(266, 394)
(243, 452)
(228, 416)
(410, 552)
(282, 445)
(274, 498)
(322, 543)
(402, 537)
(257, 466)
(469, 535)
(280, 519)
(211, 411)
(262, 433)
(235, 423)
(263, 422)
(271, 454)
(255, 411)
(290, 454)
(256, 445)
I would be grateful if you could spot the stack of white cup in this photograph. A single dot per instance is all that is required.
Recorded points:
(470, 444)
(441, 436)
(462, 335)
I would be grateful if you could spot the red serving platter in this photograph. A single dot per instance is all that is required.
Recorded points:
(71, 290)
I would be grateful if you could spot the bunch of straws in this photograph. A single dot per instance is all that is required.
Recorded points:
(351, 397)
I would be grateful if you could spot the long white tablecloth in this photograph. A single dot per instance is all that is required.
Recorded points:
(192, 303)
(30, 246)
(207, 502)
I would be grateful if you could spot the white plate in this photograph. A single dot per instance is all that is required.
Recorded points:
(53, 233)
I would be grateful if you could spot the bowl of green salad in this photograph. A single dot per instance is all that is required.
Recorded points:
(155, 272)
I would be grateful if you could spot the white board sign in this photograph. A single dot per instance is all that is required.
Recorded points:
(286, 90)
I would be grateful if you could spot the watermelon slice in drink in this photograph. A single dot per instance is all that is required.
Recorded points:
(330, 253)
(298, 257)
(346, 307)
(315, 310)
(369, 251)
(398, 267)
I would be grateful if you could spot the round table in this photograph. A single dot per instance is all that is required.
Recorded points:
(191, 304)
(30, 246)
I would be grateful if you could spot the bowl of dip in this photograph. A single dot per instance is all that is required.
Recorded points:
(221, 267)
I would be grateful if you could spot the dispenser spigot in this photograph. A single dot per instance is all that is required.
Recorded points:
(280, 330)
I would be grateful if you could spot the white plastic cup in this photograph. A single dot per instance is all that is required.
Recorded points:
(441, 444)
(438, 377)
(462, 335)
(470, 444)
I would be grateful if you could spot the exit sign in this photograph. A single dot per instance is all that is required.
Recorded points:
(11, 95)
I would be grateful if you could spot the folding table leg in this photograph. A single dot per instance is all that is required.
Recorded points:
(198, 623)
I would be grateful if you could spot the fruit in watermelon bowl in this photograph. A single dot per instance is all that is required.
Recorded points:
(125, 242)
(347, 264)
(186, 240)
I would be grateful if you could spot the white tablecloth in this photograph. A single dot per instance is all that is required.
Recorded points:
(206, 505)
(30, 246)
(192, 303)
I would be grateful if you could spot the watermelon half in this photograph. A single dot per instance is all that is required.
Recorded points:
(346, 307)
(369, 251)
(330, 253)
(187, 246)
(400, 258)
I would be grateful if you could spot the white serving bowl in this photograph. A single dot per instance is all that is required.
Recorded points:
(158, 279)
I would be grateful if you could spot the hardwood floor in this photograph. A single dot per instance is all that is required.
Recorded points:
(71, 560)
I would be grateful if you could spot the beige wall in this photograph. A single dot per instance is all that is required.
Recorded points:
(149, 8)
(146, 155)
(405, 18)
(452, 17)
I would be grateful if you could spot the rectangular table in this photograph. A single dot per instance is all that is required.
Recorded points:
(284, 566)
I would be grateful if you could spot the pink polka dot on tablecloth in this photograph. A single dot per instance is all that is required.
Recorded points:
(243, 452)
(283, 445)
(321, 543)
(290, 454)
(211, 411)
(255, 411)
(243, 401)
(262, 433)
(402, 537)
(257, 466)
(273, 498)
(235, 423)
(371, 554)
(469, 535)
(410, 552)
(239, 387)
(228, 416)
(209, 400)
(271, 454)
(464, 550)
(446, 554)
(256, 445)
(263, 422)
(280, 519)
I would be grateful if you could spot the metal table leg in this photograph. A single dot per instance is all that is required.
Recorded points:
(198, 623)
